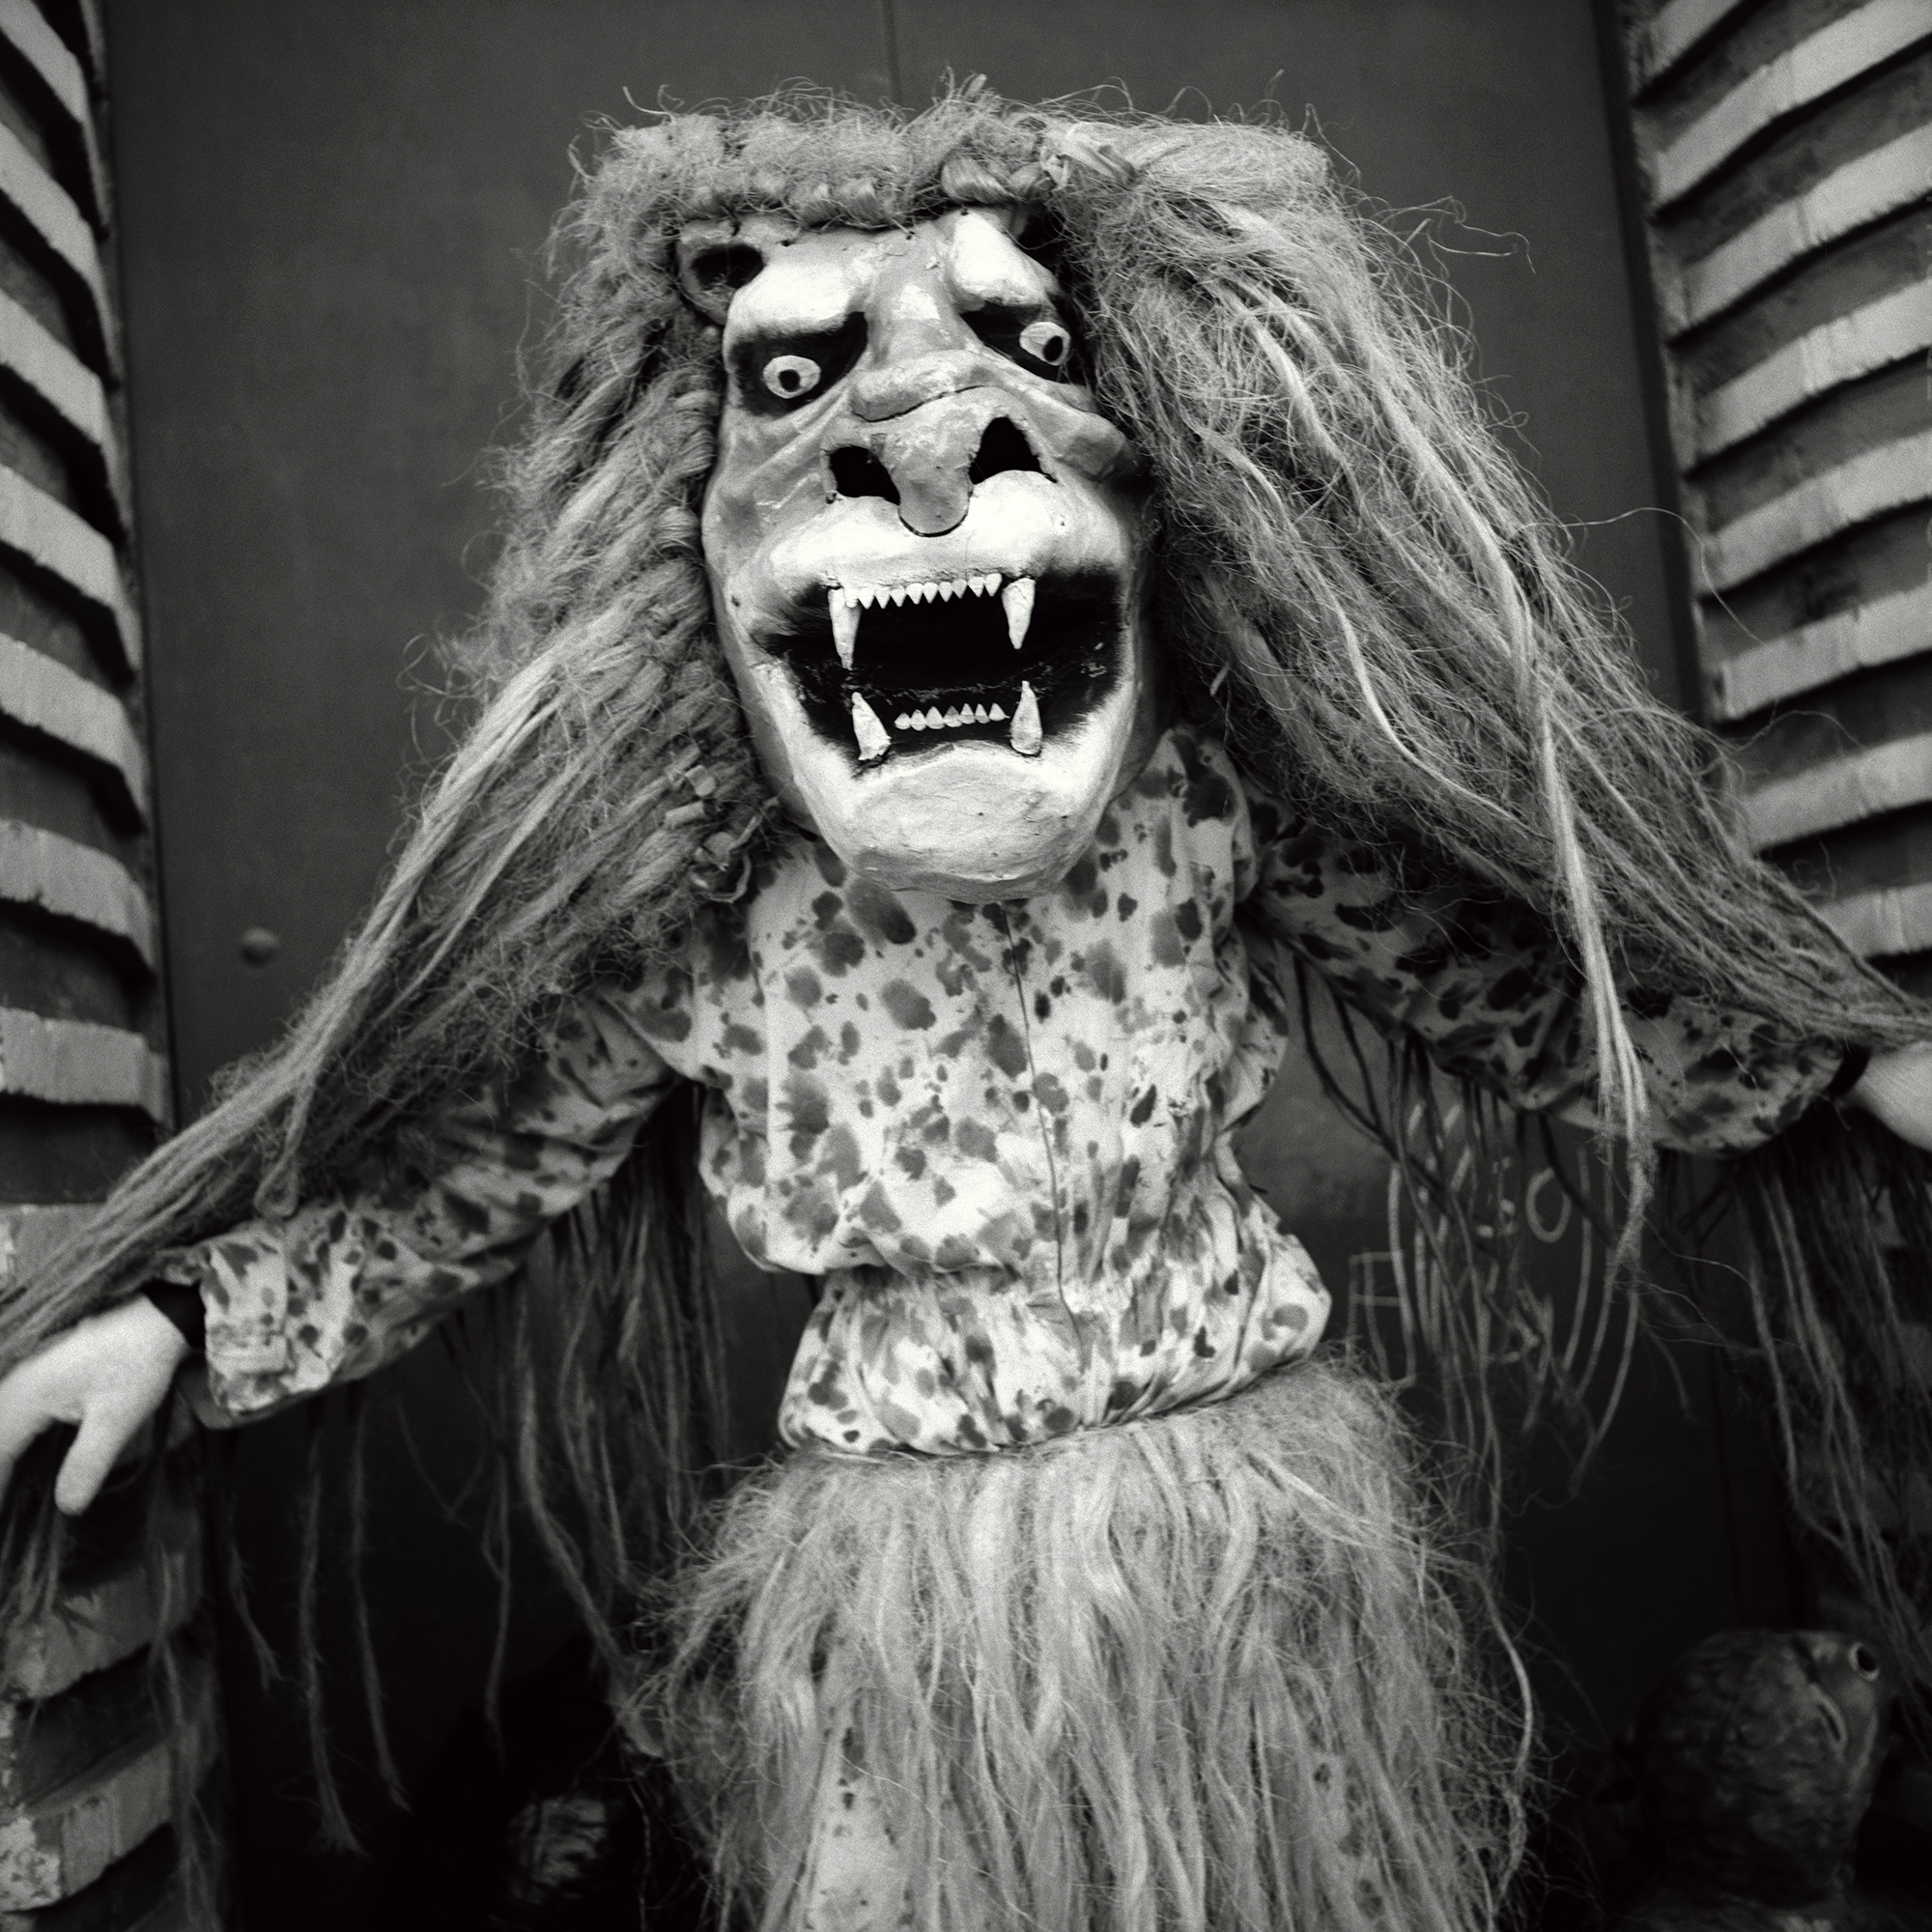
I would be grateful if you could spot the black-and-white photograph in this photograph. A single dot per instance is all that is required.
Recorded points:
(965, 968)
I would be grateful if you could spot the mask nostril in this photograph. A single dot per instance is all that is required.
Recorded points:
(858, 472)
(1001, 447)
(1863, 1661)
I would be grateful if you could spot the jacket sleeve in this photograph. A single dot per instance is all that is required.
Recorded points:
(1488, 988)
(345, 1285)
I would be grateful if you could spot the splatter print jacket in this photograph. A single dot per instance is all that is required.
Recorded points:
(999, 1135)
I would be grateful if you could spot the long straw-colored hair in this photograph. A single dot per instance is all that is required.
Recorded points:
(1354, 587)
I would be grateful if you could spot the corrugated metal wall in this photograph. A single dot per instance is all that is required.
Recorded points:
(1786, 150)
(84, 1087)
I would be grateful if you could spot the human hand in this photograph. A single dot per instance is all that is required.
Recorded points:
(1897, 1091)
(108, 1373)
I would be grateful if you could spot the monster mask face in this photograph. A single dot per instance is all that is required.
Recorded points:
(923, 544)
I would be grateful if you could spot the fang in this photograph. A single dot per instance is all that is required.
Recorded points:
(1017, 598)
(844, 627)
(874, 740)
(1026, 736)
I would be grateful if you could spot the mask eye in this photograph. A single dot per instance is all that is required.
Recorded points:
(772, 374)
(791, 378)
(1047, 342)
(1042, 345)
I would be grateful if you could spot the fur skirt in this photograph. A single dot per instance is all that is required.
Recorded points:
(1213, 1669)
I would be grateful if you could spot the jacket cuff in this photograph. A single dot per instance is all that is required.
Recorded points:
(1851, 1071)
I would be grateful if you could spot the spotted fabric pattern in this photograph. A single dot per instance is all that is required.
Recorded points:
(1488, 988)
(343, 1286)
(999, 1136)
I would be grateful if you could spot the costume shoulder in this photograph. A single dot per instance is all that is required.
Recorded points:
(349, 1282)
(1488, 986)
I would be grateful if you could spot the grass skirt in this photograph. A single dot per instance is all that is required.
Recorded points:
(1210, 1669)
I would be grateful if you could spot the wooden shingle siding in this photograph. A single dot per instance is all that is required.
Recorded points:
(90, 1764)
(42, 695)
(1795, 78)
(1886, 180)
(1879, 633)
(43, 62)
(1785, 149)
(1893, 330)
(54, 227)
(1674, 32)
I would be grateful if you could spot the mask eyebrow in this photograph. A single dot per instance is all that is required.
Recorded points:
(986, 268)
(794, 296)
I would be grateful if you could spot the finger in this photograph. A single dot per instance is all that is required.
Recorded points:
(23, 1414)
(103, 1433)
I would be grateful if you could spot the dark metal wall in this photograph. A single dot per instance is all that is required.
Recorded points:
(335, 215)
(334, 212)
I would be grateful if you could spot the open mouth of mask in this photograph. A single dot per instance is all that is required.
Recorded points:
(889, 668)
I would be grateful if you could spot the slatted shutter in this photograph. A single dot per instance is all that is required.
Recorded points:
(85, 1767)
(1786, 151)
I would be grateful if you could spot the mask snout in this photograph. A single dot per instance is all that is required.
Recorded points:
(929, 462)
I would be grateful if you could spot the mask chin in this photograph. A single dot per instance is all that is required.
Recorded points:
(969, 819)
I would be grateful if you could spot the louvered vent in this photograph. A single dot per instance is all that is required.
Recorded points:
(85, 1764)
(1786, 155)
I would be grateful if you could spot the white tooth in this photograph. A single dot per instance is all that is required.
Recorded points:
(996, 713)
(862, 596)
(949, 589)
(954, 720)
(897, 593)
(1025, 737)
(844, 627)
(989, 583)
(928, 593)
(874, 740)
(902, 722)
(934, 722)
(1017, 597)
